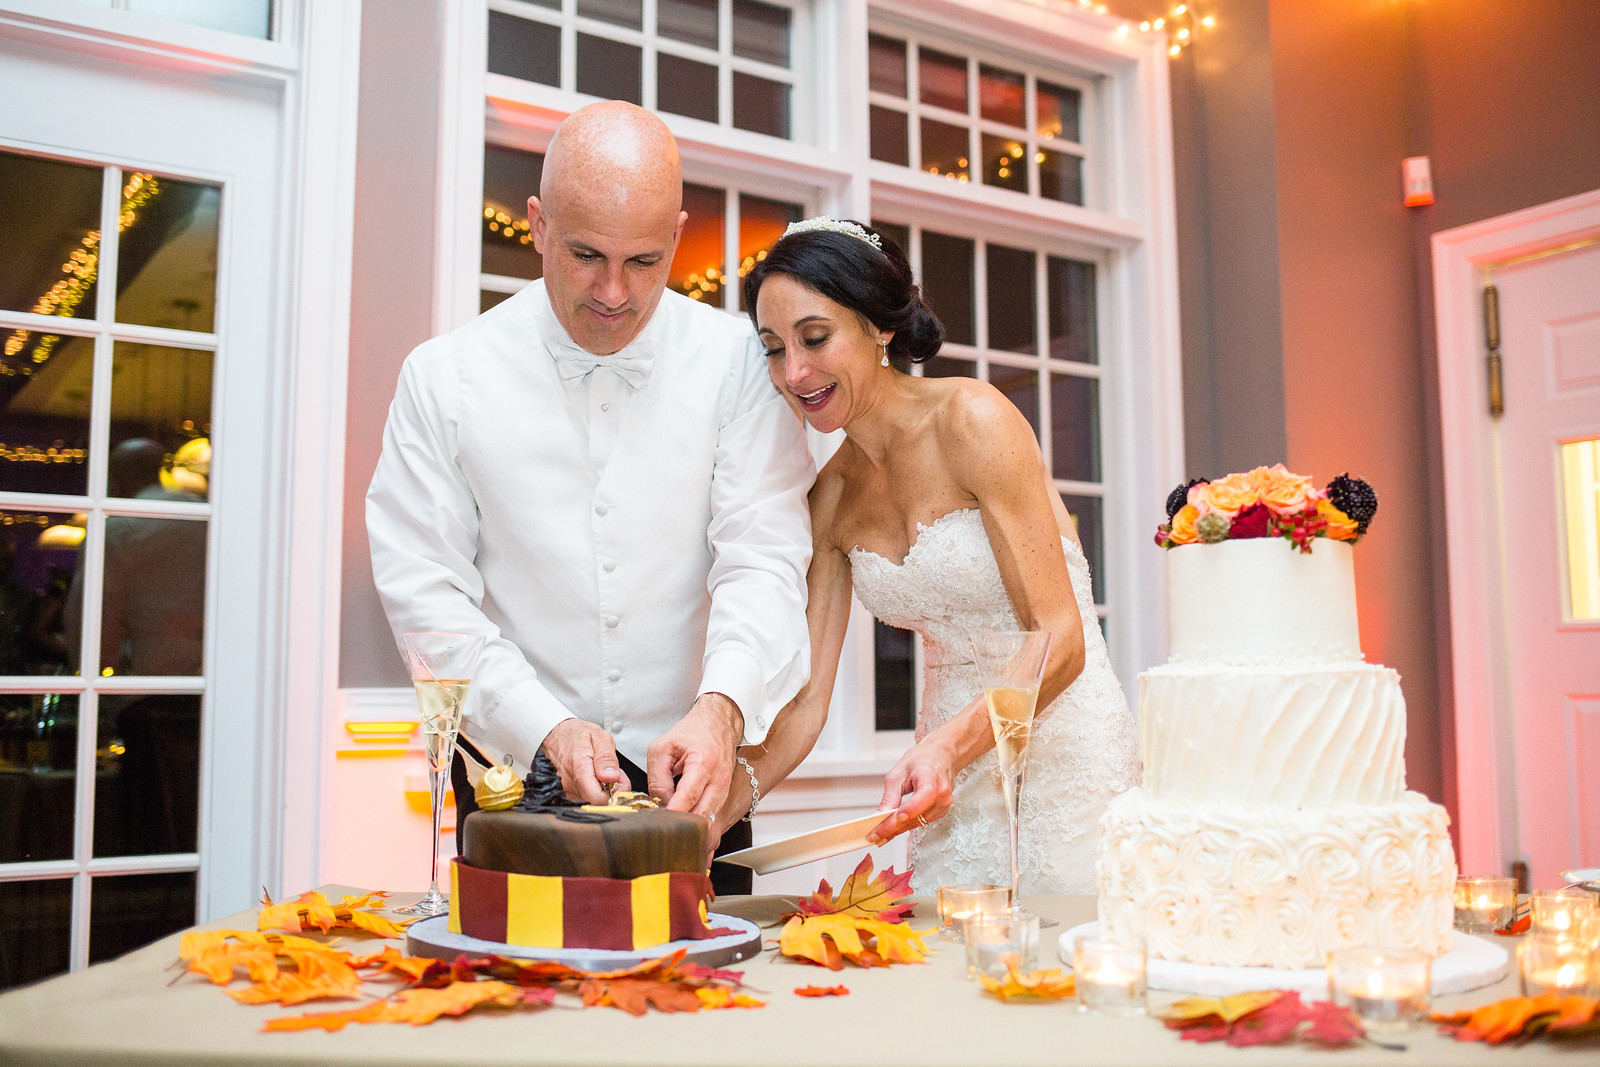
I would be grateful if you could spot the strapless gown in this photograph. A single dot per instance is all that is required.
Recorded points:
(1082, 754)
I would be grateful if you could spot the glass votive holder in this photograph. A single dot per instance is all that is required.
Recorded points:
(1588, 931)
(1559, 965)
(1111, 976)
(1386, 989)
(1484, 904)
(1557, 912)
(997, 942)
(958, 903)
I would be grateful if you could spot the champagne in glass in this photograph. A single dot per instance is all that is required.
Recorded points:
(441, 672)
(1011, 667)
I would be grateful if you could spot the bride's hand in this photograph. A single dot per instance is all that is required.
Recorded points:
(917, 790)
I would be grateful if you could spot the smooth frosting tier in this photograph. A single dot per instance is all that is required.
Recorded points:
(1263, 602)
(1221, 885)
(1266, 737)
(580, 844)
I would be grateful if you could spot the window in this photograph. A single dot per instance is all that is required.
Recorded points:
(1024, 320)
(726, 62)
(959, 116)
(105, 461)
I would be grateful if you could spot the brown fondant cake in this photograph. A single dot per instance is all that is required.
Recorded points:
(570, 843)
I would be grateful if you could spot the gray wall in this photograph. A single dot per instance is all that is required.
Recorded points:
(392, 291)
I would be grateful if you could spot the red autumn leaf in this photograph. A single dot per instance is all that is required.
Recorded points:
(1207, 1033)
(1271, 1024)
(1521, 926)
(821, 991)
(1332, 1025)
(864, 896)
(698, 973)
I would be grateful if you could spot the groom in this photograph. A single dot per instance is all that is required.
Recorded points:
(601, 477)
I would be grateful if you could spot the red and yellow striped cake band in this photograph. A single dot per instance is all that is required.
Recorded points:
(598, 913)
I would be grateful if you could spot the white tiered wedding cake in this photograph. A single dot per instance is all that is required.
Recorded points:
(1273, 825)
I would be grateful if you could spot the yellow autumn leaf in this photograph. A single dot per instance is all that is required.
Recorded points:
(831, 939)
(1053, 984)
(1228, 1009)
(722, 997)
(197, 941)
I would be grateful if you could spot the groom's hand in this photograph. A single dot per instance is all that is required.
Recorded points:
(586, 758)
(698, 751)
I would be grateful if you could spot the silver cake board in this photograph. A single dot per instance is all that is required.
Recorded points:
(1470, 964)
(431, 939)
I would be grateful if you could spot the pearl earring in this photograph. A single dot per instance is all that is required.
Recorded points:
(883, 354)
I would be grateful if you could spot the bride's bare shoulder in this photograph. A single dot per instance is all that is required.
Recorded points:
(970, 411)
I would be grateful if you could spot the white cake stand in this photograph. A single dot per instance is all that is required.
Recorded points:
(1471, 963)
(432, 939)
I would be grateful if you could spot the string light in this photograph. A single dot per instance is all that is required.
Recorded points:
(1182, 25)
(501, 226)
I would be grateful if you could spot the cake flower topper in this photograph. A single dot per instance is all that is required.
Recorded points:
(1267, 502)
(845, 226)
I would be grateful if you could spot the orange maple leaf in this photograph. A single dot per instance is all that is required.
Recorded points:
(415, 1006)
(723, 997)
(863, 895)
(392, 960)
(218, 962)
(1053, 984)
(822, 991)
(636, 995)
(314, 909)
(1513, 1017)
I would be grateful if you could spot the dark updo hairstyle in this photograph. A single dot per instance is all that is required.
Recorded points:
(876, 285)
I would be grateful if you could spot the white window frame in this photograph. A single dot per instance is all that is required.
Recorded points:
(1129, 231)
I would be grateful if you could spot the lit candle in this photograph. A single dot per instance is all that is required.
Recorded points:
(1558, 912)
(1559, 965)
(960, 902)
(1111, 976)
(1383, 988)
(1483, 904)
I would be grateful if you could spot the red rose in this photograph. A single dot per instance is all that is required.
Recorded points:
(1253, 521)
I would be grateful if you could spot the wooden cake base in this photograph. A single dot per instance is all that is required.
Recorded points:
(432, 939)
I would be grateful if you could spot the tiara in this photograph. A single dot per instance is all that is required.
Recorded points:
(823, 222)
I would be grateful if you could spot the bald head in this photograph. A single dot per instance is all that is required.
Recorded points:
(607, 221)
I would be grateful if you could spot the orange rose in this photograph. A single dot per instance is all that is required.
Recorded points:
(1341, 527)
(1183, 532)
(1282, 492)
(1229, 495)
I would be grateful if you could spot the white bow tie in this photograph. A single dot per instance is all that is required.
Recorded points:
(632, 364)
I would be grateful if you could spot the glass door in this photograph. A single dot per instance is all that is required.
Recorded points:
(108, 314)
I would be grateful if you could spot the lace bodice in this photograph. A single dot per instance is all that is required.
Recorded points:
(1084, 750)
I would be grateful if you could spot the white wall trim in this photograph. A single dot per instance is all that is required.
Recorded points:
(142, 39)
(1485, 772)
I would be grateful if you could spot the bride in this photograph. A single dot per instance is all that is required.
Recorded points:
(938, 509)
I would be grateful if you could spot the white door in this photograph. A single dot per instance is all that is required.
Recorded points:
(139, 215)
(1550, 442)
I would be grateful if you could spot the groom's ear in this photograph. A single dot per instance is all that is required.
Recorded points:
(537, 223)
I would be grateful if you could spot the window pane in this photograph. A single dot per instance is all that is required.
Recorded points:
(167, 254)
(1021, 387)
(886, 64)
(35, 930)
(690, 21)
(249, 18)
(1000, 95)
(45, 382)
(684, 87)
(890, 141)
(1011, 299)
(1060, 177)
(147, 775)
(608, 69)
(760, 105)
(944, 149)
(942, 79)
(1075, 428)
(1086, 512)
(128, 911)
(49, 217)
(1005, 163)
(40, 552)
(510, 176)
(761, 32)
(947, 283)
(1058, 109)
(487, 300)
(629, 13)
(1069, 298)
(160, 422)
(38, 782)
(893, 231)
(523, 48)
(761, 223)
(945, 367)
(152, 607)
(697, 267)
(893, 675)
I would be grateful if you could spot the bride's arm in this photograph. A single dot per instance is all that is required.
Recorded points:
(992, 455)
(797, 727)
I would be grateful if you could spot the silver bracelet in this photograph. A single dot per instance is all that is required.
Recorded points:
(755, 787)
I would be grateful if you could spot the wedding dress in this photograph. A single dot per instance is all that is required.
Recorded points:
(1083, 753)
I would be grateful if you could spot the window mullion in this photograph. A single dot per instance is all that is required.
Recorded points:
(913, 107)
(730, 252)
(1041, 319)
(569, 50)
(647, 56)
(1030, 122)
(974, 138)
(980, 305)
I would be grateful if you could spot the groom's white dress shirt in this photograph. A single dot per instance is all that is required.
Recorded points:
(630, 534)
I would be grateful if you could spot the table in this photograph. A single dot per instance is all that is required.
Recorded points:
(130, 1011)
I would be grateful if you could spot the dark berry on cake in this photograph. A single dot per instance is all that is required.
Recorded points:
(1355, 498)
(1180, 496)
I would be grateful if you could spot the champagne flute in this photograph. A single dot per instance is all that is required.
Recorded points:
(441, 671)
(1011, 668)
